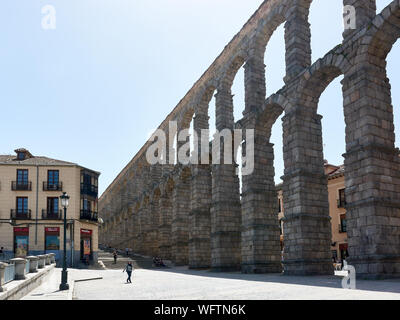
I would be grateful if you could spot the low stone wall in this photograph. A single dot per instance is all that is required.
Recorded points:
(17, 289)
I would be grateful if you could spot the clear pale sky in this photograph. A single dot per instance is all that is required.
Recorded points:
(93, 89)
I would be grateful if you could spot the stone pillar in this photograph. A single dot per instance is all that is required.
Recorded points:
(153, 230)
(52, 258)
(372, 174)
(33, 263)
(48, 259)
(41, 261)
(261, 251)
(180, 221)
(164, 228)
(307, 226)
(2, 276)
(297, 39)
(254, 82)
(141, 234)
(225, 209)
(19, 268)
(200, 218)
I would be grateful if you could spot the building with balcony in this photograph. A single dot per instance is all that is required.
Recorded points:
(337, 211)
(31, 216)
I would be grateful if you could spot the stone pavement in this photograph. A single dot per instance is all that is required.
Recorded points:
(180, 283)
(49, 290)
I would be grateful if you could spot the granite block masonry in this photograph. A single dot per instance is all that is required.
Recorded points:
(195, 215)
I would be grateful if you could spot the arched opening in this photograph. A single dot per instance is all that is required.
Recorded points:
(393, 67)
(326, 24)
(382, 4)
(238, 95)
(276, 140)
(330, 106)
(274, 60)
(211, 114)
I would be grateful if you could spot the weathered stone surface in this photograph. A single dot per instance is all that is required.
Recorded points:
(202, 220)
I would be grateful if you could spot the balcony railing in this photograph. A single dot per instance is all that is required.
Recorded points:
(89, 190)
(20, 214)
(51, 215)
(89, 215)
(47, 186)
(21, 186)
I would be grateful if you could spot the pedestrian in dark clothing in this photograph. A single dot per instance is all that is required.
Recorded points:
(128, 269)
(115, 254)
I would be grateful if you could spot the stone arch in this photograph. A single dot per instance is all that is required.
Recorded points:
(267, 26)
(230, 70)
(316, 78)
(270, 111)
(384, 32)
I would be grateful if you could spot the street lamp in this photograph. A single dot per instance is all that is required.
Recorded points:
(64, 274)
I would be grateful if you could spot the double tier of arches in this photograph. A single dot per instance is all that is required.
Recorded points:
(196, 214)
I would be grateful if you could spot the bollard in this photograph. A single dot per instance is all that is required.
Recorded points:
(41, 261)
(33, 263)
(48, 257)
(20, 265)
(2, 274)
(52, 257)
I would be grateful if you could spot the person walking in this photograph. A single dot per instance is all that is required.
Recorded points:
(128, 269)
(115, 255)
(2, 253)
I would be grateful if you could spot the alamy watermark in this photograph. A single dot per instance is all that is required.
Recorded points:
(198, 152)
(49, 17)
(349, 17)
(349, 281)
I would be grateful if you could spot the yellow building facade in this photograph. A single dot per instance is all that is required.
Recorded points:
(31, 216)
(337, 211)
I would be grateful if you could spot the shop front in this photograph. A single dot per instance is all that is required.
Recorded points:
(52, 241)
(21, 242)
(86, 244)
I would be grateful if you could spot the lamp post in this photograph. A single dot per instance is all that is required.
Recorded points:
(64, 274)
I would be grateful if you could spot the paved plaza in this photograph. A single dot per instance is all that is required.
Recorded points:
(183, 284)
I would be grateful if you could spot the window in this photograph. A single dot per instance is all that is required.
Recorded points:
(86, 205)
(343, 224)
(279, 205)
(53, 177)
(52, 205)
(22, 205)
(22, 176)
(21, 155)
(342, 198)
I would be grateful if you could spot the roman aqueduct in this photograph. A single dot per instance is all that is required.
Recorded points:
(195, 215)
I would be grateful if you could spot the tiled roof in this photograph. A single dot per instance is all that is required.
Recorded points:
(34, 161)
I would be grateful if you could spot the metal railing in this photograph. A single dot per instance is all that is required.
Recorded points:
(51, 215)
(21, 185)
(89, 215)
(16, 214)
(89, 189)
(9, 273)
(47, 186)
